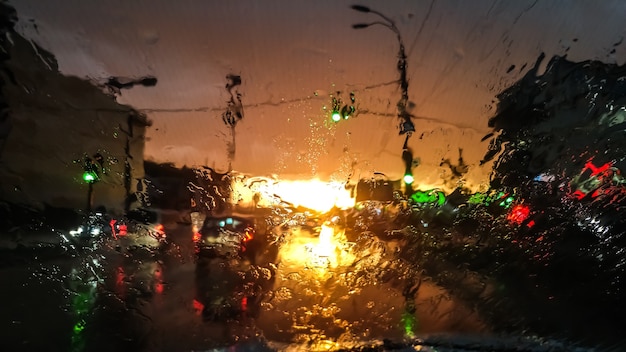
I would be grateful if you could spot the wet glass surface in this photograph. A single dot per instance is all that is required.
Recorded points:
(378, 272)
(348, 210)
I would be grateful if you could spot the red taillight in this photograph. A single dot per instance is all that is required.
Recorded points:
(597, 170)
(120, 282)
(197, 306)
(158, 287)
(112, 223)
(160, 230)
(158, 277)
(519, 213)
(248, 234)
(196, 237)
(244, 304)
(119, 277)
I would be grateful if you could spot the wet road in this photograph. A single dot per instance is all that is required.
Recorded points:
(111, 298)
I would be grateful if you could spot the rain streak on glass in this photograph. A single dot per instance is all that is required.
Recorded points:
(134, 254)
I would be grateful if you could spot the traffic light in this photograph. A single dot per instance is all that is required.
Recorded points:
(506, 203)
(90, 171)
(347, 111)
(340, 112)
(90, 176)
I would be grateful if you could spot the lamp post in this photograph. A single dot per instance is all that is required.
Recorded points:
(406, 125)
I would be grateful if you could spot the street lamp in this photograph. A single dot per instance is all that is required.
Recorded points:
(406, 125)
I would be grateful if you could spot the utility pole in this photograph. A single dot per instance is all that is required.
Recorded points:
(406, 124)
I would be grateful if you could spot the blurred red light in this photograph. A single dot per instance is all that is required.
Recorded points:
(112, 224)
(197, 306)
(518, 213)
(248, 234)
(120, 282)
(578, 194)
(596, 170)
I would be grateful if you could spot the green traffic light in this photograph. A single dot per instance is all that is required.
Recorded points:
(410, 324)
(408, 179)
(336, 116)
(79, 327)
(507, 202)
(89, 176)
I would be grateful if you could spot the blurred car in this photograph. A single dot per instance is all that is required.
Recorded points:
(128, 232)
(132, 235)
(234, 265)
(224, 236)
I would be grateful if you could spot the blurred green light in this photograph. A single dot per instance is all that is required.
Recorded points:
(421, 197)
(336, 116)
(431, 196)
(507, 202)
(476, 198)
(410, 324)
(441, 198)
(89, 176)
(408, 179)
(79, 327)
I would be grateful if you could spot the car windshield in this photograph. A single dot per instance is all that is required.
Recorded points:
(319, 175)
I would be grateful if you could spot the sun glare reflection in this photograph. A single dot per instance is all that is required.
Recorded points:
(325, 247)
(327, 251)
(313, 194)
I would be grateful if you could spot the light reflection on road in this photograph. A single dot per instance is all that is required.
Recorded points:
(146, 299)
(359, 295)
